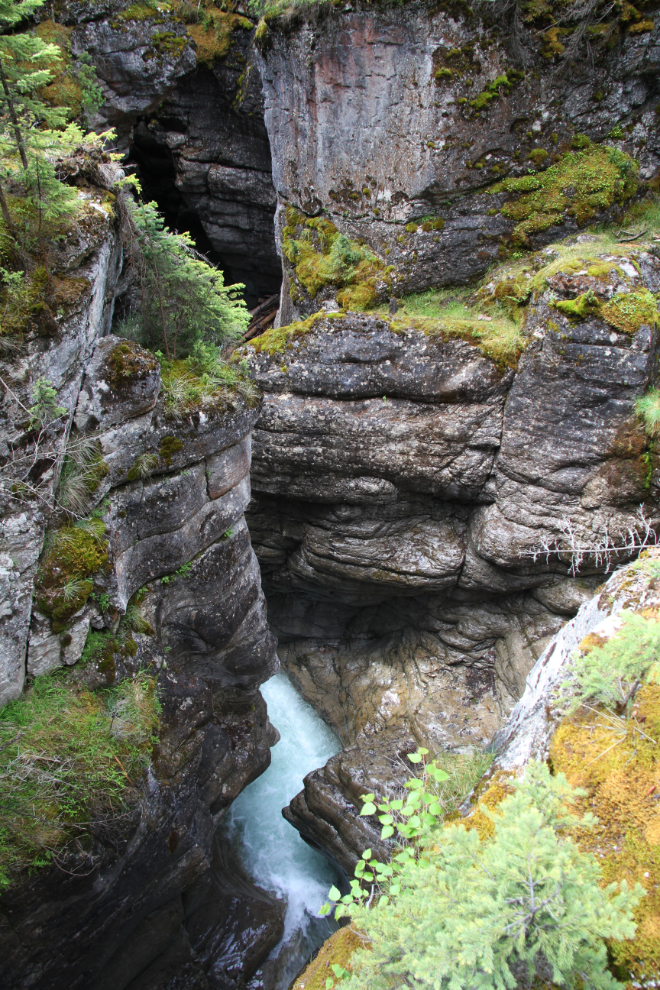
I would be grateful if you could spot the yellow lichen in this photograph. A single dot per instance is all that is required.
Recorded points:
(337, 950)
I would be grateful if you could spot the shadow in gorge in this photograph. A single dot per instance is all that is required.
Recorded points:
(205, 160)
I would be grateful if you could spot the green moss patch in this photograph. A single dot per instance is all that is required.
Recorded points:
(581, 185)
(145, 11)
(274, 341)
(169, 446)
(67, 756)
(321, 256)
(501, 86)
(64, 579)
(581, 307)
(443, 314)
(214, 31)
(629, 311)
(128, 362)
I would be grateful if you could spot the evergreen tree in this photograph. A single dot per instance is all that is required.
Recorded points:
(494, 912)
(32, 132)
(184, 298)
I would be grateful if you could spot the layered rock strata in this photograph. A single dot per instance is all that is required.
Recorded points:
(406, 486)
(150, 898)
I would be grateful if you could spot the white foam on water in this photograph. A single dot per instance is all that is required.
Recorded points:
(271, 850)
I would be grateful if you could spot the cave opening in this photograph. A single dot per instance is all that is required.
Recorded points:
(207, 165)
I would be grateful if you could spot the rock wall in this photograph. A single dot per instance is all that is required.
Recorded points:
(396, 125)
(87, 264)
(405, 484)
(205, 157)
(152, 899)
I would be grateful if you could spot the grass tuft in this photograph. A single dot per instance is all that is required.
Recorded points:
(66, 757)
(203, 381)
(443, 313)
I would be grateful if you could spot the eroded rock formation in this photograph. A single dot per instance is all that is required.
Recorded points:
(404, 488)
(151, 900)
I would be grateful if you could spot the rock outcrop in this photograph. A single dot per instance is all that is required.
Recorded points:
(150, 898)
(427, 518)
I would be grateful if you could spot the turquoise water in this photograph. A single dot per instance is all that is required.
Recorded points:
(271, 850)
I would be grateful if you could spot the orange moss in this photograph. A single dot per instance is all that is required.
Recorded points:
(591, 641)
(338, 950)
(617, 762)
(496, 790)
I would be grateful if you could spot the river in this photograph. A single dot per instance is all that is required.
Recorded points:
(270, 849)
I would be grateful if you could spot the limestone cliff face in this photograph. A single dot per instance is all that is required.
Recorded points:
(151, 900)
(87, 268)
(403, 487)
(380, 119)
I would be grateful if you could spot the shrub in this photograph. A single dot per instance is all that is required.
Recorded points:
(184, 298)
(475, 912)
(610, 673)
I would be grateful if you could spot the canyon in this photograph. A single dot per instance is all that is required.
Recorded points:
(394, 513)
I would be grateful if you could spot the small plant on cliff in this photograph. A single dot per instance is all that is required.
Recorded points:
(184, 298)
(83, 469)
(648, 407)
(491, 912)
(202, 380)
(611, 673)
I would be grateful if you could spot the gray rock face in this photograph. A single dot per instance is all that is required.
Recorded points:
(92, 257)
(154, 900)
(137, 59)
(404, 490)
(371, 119)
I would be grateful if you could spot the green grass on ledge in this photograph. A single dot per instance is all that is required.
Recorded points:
(67, 756)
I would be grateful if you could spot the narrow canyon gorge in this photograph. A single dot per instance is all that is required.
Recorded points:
(402, 521)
